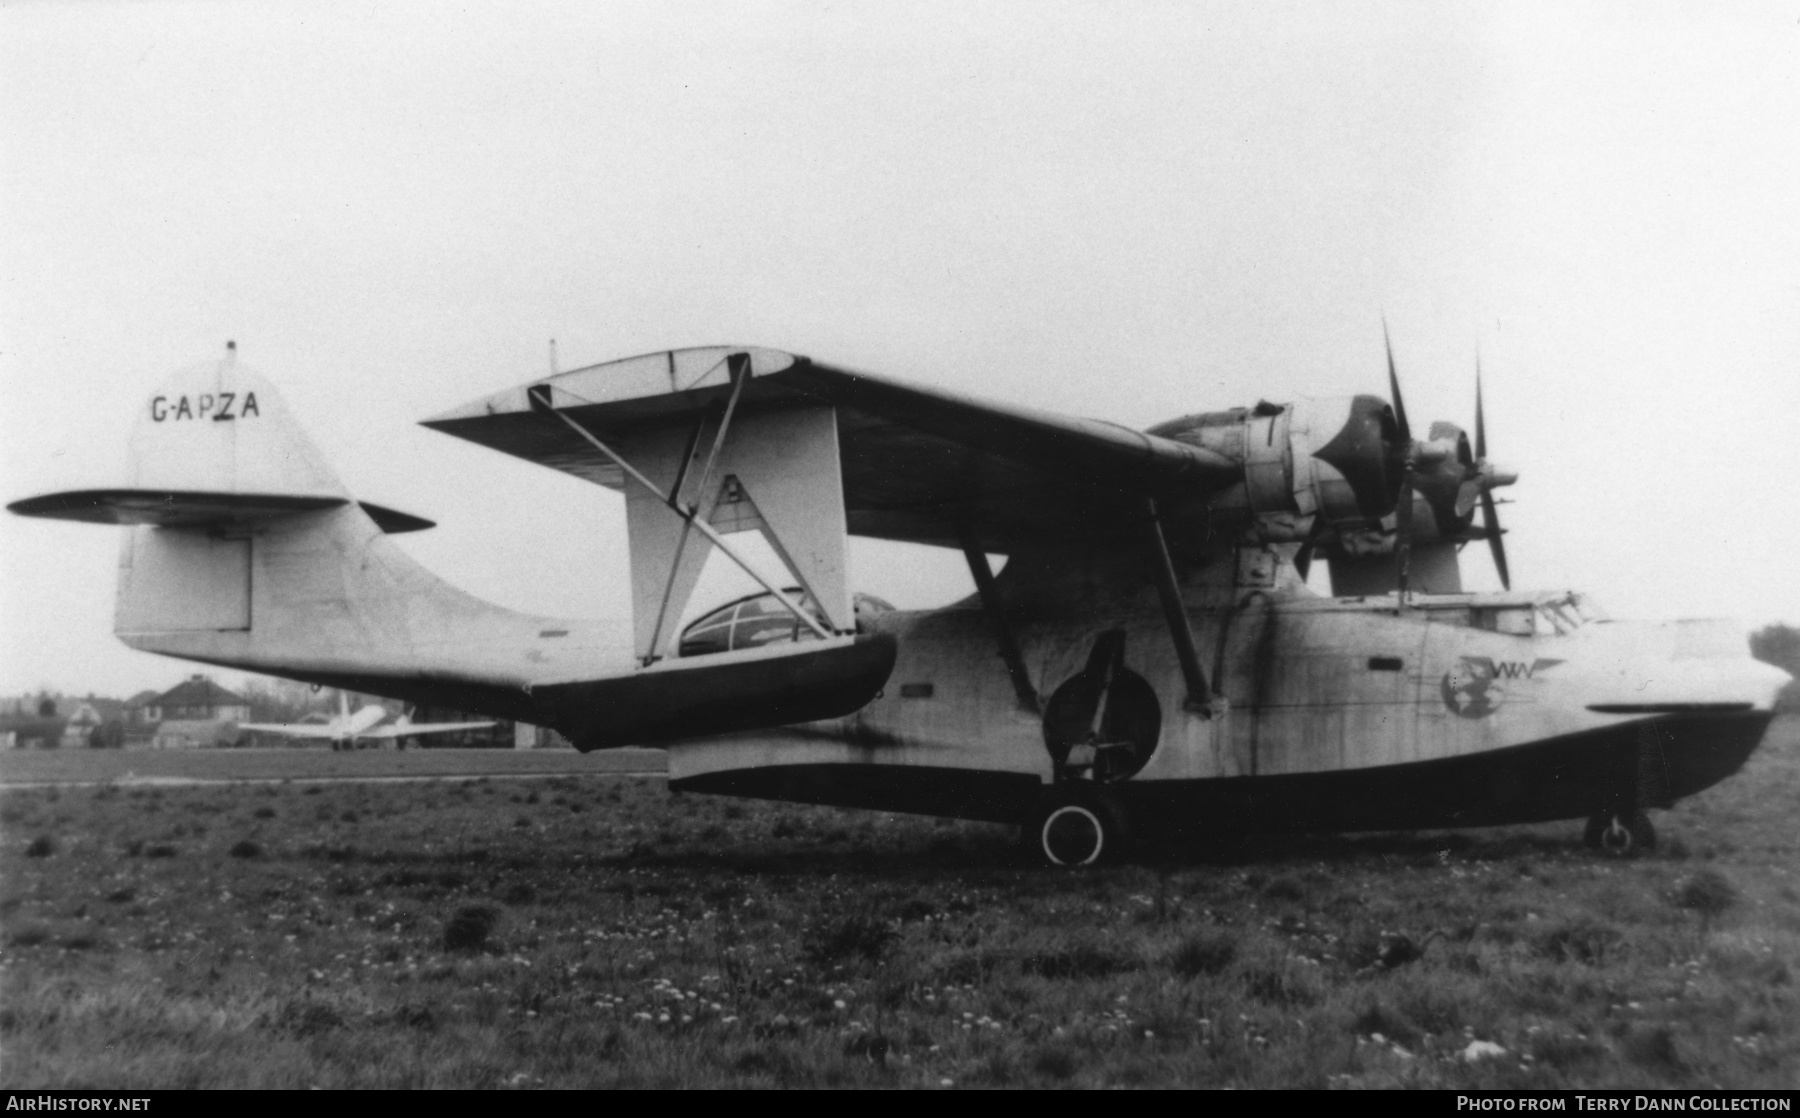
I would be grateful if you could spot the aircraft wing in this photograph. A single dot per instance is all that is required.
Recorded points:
(291, 729)
(411, 729)
(915, 461)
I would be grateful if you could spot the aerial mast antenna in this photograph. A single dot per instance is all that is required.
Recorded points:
(553, 369)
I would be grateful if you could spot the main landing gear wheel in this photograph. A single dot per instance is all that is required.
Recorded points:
(1074, 832)
(1620, 833)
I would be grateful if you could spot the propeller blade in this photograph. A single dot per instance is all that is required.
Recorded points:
(1490, 513)
(1480, 423)
(1394, 390)
(1490, 520)
(1403, 515)
(1303, 558)
(1467, 495)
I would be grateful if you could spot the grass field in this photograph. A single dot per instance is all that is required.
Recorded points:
(149, 766)
(598, 931)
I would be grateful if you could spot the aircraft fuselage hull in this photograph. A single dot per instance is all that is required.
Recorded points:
(1337, 715)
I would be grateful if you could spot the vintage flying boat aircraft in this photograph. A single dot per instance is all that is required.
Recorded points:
(350, 730)
(1149, 662)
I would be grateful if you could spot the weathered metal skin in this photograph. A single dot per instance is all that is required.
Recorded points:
(1338, 715)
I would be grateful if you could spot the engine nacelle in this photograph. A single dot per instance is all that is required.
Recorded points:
(1337, 460)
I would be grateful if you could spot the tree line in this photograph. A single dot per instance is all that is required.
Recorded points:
(1780, 645)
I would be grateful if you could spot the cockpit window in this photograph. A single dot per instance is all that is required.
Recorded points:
(1519, 621)
(1586, 609)
(1550, 616)
(1557, 619)
(1570, 613)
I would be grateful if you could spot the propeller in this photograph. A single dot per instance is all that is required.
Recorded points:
(1453, 479)
(1403, 508)
(1492, 475)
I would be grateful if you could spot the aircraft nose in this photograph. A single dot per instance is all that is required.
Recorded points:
(1670, 667)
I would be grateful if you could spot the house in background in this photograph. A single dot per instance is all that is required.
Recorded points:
(198, 698)
(196, 713)
(31, 721)
(138, 725)
(96, 722)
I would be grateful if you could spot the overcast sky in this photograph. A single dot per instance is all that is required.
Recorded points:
(1127, 211)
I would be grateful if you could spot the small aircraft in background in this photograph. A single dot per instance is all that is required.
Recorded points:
(1150, 662)
(348, 729)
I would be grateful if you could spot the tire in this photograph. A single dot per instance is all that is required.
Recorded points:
(1074, 831)
(1620, 834)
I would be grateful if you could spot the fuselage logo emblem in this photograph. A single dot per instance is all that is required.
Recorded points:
(1476, 687)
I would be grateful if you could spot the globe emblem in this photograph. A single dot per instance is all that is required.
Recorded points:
(1473, 688)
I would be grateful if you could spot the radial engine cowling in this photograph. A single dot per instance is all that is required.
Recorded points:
(1328, 462)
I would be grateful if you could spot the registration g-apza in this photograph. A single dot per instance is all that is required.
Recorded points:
(1148, 663)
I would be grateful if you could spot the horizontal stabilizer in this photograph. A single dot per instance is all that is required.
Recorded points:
(393, 521)
(167, 509)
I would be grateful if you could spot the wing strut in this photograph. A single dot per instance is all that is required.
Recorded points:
(1003, 632)
(540, 402)
(738, 366)
(1199, 696)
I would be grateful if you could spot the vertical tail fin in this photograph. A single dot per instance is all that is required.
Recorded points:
(244, 549)
(215, 455)
(219, 428)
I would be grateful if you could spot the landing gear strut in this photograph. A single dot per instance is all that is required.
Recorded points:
(1620, 833)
